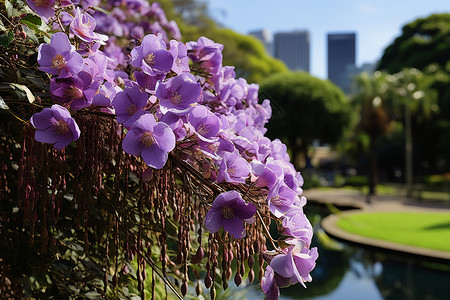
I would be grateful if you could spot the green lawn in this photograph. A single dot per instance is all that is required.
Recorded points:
(426, 230)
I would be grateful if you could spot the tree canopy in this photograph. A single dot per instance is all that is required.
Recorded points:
(423, 42)
(308, 108)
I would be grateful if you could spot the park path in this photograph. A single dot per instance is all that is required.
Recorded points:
(360, 202)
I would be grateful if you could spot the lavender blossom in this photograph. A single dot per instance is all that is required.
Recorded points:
(43, 8)
(180, 58)
(83, 26)
(129, 105)
(229, 211)
(233, 168)
(150, 139)
(297, 262)
(59, 58)
(151, 56)
(206, 125)
(78, 91)
(55, 126)
(179, 94)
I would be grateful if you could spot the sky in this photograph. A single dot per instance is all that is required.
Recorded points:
(376, 22)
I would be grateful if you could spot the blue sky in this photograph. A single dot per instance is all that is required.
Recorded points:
(376, 22)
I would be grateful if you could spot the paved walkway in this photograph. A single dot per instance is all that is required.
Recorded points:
(350, 198)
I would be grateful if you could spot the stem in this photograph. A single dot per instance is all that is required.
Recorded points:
(166, 282)
(266, 230)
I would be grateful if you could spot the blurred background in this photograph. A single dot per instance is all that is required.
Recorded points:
(360, 92)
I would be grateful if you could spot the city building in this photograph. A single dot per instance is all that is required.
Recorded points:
(293, 49)
(341, 59)
(265, 37)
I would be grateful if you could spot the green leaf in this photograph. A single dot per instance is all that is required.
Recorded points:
(6, 39)
(22, 91)
(29, 30)
(32, 19)
(101, 10)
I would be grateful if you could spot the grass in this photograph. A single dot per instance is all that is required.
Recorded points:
(426, 230)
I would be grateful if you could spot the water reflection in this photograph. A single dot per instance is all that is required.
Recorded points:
(360, 273)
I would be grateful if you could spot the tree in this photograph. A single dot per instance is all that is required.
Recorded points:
(372, 92)
(424, 45)
(308, 108)
(423, 42)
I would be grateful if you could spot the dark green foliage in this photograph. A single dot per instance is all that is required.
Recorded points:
(422, 42)
(305, 108)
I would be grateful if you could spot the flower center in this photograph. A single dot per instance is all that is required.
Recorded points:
(131, 110)
(73, 93)
(228, 212)
(61, 127)
(176, 98)
(202, 130)
(231, 171)
(150, 59)
(147, 139)
(58, 62)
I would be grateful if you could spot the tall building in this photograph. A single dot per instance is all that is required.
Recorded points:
(265, 37)
(293, 49)
(341, 59)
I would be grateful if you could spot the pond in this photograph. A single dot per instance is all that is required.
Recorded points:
(362, 273)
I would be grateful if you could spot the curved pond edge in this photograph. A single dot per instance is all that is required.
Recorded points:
(329, 225)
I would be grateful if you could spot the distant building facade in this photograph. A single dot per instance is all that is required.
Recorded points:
(265, 37)
(293, 49)
(341, 59)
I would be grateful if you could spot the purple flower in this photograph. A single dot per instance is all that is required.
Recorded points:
(150, 139)
(78, 91)
(60, 57)
(207, 54)
(43, 8)
(148, 82)
(267, 174)
(178, 94)
(233, 168)
(297, 262)
(205, 123)
(180, 58)
(281, 197)
(129, 105)
(269, 285)
(83, 26)
(152, 56)
(55, 126)
(229, 211)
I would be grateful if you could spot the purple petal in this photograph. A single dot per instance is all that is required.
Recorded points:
(60, 42)
(213, 220)
(63, 141)
(145, 123)
(43, 120)
(235, 227)
(60, 113)
(131, 143)
(154, 156)
(283, 264)
(165, 136)
(244, 210)
(46, 136)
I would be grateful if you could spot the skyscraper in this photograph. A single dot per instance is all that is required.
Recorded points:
(293, 49)
(341, 59)
(265, 37)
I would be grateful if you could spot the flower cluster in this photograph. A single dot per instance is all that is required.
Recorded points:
(177, 99)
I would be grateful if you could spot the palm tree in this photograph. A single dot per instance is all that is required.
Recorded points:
(373, 94)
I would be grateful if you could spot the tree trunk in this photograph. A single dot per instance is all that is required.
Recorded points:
(373, 174)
